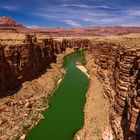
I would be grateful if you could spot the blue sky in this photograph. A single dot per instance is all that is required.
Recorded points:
(72, 13)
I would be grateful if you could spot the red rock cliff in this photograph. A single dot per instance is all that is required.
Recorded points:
(23, 62)
(119, 71)
(19, 63)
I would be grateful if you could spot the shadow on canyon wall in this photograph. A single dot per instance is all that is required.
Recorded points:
(24, 63)
(30, 59)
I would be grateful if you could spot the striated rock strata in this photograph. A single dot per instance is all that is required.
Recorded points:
(8, 24)
(119, 71)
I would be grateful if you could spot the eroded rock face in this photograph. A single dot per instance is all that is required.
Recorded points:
(19, 63)
(119, 71)
(24, 62)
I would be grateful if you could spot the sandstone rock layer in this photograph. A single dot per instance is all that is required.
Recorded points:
(119, 71)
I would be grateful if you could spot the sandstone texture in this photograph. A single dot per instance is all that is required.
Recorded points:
(118, 68)
(23, 62)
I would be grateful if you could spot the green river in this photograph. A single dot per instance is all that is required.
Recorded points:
(65, 115)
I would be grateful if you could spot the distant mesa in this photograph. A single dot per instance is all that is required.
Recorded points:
(8, 24)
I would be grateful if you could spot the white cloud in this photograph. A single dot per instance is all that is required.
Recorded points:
(32, 26)
(103, 20)
(104, 6)
(98, 13)
(133, 12)
(7, 7)
(45, 15)
(132, 24)
(72, 23)
(76, 5)
(85, 6)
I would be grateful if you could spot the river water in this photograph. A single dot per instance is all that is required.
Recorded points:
(65, 115)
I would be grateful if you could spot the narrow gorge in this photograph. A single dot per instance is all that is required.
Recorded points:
(113, 62)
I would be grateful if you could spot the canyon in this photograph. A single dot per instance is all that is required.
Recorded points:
(112, 61)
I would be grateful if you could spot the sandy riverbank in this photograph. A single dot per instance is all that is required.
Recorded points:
(83, 69)
(96, 111)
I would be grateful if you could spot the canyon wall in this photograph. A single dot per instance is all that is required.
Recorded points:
(26, 61)
(119, 71)
(23, 62)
